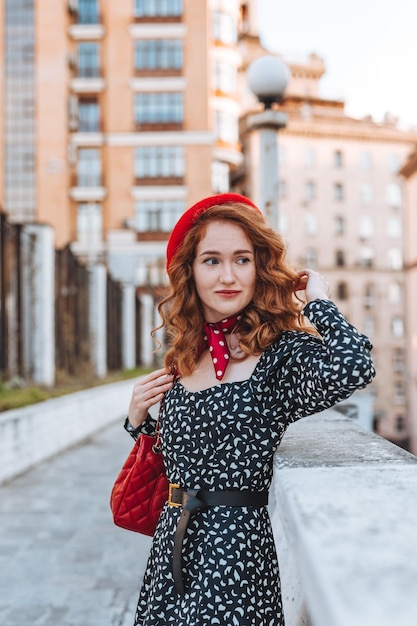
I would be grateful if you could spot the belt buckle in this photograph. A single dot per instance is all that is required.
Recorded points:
(172, 486)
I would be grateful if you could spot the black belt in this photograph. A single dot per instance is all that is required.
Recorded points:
(195, 500)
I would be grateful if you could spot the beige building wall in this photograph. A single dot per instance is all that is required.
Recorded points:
(99, 203)
(116, 104)
(85, 182)
(409, 172)
(86, 82)
(341, 211)
(51, 120)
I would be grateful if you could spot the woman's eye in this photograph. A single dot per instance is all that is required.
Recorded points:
(243, 260)
(211, 261)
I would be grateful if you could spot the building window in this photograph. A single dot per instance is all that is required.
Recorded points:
(310, 156)
(338, 193)
(400, 423)
(88, 59)
(342, 291)
(399, 392)
(18, 23)
(88, 115)
(339, 225)
(244, 17)
(366, 227)
(311, 258)
(338, 158)
(159, 162)
(226, 127)
(393, 163)
(282, 189)
(309, 191)
(224, 28)
(157, 215)
(158, 54)
(394, 227)
(365, 160)
(394, 195)
(159, 108)
(158, 8)
(397, 327)
(369, 299)
(340, 258)
(310, 224)
(89, 167)
(87, 12)
(282, 223)
(224, 77)
(89, 223)
(366, 193)
(220, 177)
(398, 360)
(366, 257)
(369, 325)
(395, 293)
(395, 260)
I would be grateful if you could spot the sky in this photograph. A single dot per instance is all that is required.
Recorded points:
(369, 48)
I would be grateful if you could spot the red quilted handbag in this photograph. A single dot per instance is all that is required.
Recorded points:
(141, 488)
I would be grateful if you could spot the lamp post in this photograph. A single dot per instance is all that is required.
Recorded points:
(268, 78)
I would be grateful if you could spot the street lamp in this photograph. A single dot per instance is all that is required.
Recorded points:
(268, 77)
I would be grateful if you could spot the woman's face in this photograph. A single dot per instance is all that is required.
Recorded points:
(224, 270)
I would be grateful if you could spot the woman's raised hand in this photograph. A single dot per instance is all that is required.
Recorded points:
(148, 391)
(313, 283)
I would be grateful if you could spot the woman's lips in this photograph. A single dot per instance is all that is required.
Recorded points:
(227, 293)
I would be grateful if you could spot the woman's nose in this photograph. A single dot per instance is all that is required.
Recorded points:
(227, 274)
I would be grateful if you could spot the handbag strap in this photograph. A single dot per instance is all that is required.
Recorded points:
(157, 447)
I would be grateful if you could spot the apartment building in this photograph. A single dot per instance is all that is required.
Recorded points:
(118, 115)
(409, 173)
(341, 209)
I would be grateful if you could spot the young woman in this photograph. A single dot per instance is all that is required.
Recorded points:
(243, 363)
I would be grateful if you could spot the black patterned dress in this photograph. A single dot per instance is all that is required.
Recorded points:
(224, 438)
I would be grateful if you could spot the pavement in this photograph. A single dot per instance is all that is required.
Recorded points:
(62, 560)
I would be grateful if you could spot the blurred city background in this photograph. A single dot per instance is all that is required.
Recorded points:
(117, 116)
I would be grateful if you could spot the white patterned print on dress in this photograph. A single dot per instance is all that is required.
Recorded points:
(224, 438)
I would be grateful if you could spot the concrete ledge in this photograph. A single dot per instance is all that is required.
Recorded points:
(38, 432)
(344, 513)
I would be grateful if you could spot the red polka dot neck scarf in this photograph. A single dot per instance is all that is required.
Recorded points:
(216, 341)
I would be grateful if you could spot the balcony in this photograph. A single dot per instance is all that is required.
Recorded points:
(86, 188)
(86, 31)
(343, 513)
(87, 84)
(86, 20)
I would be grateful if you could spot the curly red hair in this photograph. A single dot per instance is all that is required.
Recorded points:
(274, 307)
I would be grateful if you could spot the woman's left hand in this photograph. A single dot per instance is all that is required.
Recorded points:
(313, 283)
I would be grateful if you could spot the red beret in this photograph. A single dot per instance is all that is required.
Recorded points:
(188, 218)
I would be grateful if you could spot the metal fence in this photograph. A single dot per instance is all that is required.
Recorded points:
(114, 324)
(11, 315)
(72, 336)
(71, 298)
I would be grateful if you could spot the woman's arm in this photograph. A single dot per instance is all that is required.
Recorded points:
(329, 369)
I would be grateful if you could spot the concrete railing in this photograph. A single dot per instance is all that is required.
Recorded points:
(38, 432)
(344, 513)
